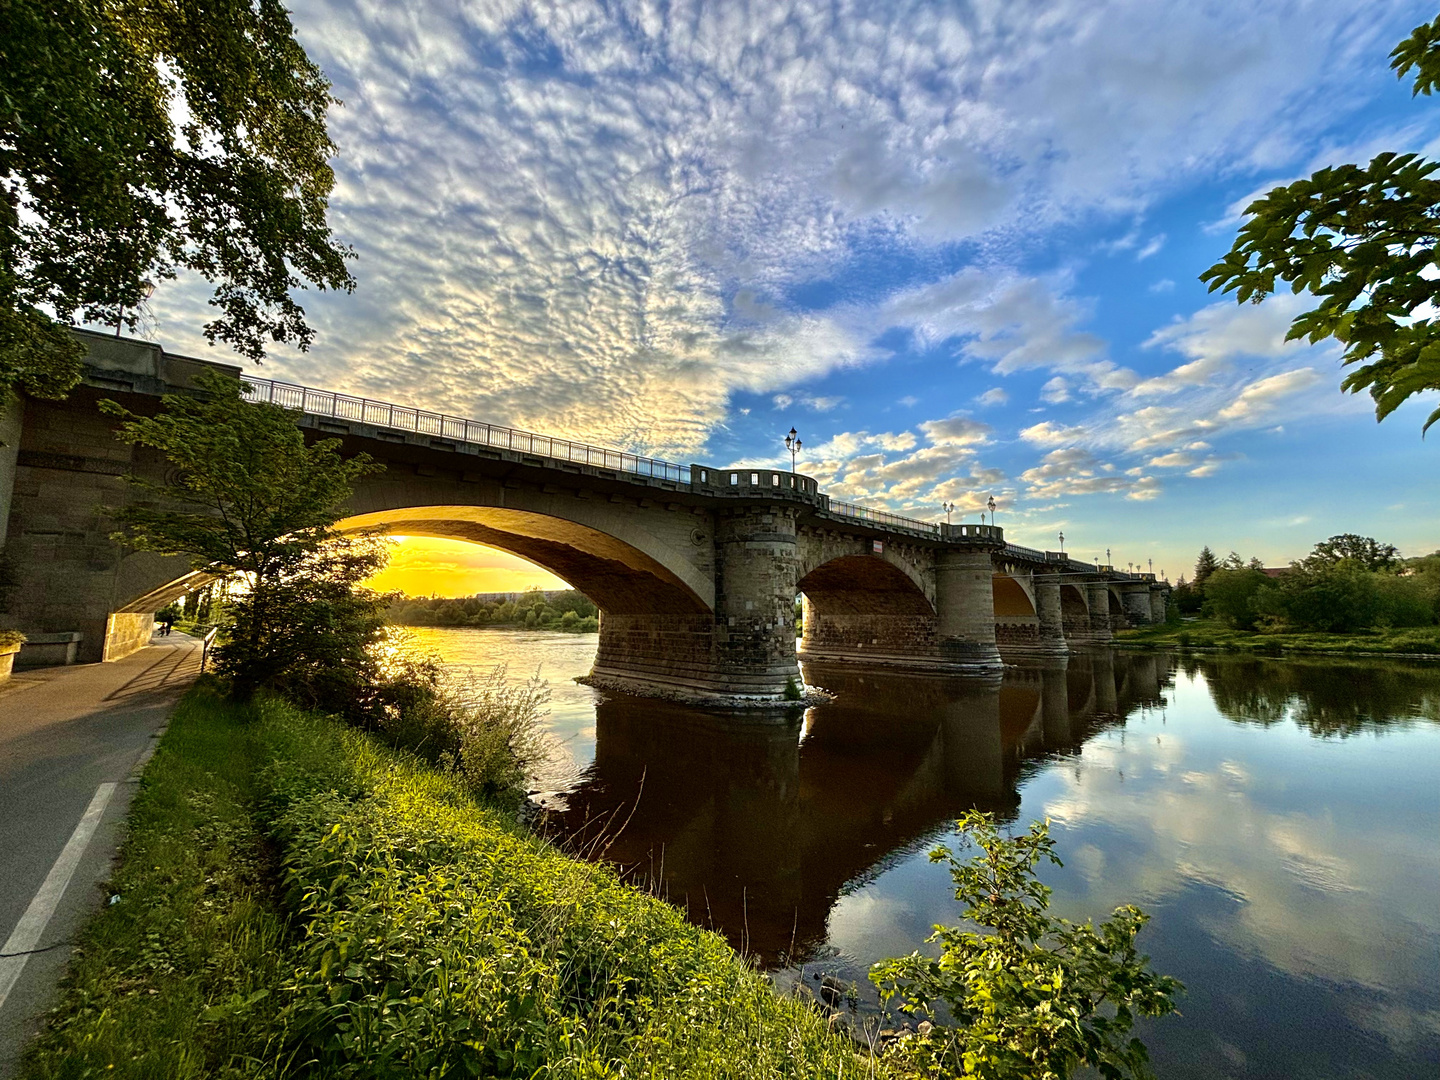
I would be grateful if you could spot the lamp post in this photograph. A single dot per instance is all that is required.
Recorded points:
(1062, 543)
(793, 444)
(1107, 557)
(1151, 564)
(990, 503)
(949, 508)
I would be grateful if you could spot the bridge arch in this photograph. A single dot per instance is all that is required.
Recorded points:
(865, 607)
(620, 577)
(1014, 597)
(1074, 611)
(1117, 609)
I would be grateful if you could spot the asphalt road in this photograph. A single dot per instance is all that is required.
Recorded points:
(71, 742)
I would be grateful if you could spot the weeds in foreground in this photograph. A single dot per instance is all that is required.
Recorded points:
(485, 728)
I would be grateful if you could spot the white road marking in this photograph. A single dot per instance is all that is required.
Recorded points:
(26, 934)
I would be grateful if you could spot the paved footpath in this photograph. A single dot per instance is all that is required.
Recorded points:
(72, 741)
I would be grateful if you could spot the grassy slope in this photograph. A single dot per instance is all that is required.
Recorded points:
(1211, 633)
(299, 901)
(196, 927)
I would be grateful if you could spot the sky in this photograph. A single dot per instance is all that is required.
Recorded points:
(956, 245)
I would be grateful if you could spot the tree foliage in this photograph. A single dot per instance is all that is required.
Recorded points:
(567, 610)
(247, 496)
(142, 138)
(1030, 996)
(1362, 551)
(1205, 565)
(1348, 583)
(1365, 240)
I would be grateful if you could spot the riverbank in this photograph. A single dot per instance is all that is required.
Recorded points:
(1410, 642)
(295, 899)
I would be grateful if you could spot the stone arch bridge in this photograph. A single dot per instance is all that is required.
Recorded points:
(695, 569)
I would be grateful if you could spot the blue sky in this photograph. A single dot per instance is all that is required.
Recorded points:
(955, 245)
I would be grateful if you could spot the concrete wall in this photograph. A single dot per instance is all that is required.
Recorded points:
(70, 575)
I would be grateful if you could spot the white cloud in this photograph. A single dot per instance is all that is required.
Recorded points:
(956, 431)
(1164, 285)
(1049, 433)
(1152, 247)
(994, 396)
(585, 217)
(1076, 471)
(1226, 330)
(1261, 396)
(1176, 460)
(1055, 391)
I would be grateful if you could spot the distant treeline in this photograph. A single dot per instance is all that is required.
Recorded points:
(567, 610)
(1347, 583)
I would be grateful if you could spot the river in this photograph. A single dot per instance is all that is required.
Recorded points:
(1278, 819)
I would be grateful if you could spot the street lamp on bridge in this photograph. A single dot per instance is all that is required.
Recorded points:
(1062, 543)
(949, 508)
(793, 444)
(991, 504)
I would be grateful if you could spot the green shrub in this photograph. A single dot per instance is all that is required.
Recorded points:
(1405, 601)
(9, 638)
(485, 729)
(792, 691)
(1024, 996)
(1230, 595)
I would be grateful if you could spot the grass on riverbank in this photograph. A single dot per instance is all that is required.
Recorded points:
(1214, 634)
(297, 900)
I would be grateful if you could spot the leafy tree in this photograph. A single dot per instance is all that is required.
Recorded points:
(310, 630)
(1230, 594)
(1032, 996)
(142, 138)
(247, 496)
(1363, 551)
(1366, 242)
(1205, 565)
(1185, 598)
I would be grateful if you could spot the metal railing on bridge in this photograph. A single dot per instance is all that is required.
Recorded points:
(403, 418)
(1025, 553)
(384, 414)
(882, 517)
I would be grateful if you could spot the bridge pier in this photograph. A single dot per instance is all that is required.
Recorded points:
(1159, 603)
(1136, 601)
(1097, 593)
(756, 573)
(965, 610)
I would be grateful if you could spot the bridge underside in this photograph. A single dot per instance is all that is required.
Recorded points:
(861, 608)
(656, 634)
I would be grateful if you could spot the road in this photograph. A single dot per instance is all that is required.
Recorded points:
(72, 740)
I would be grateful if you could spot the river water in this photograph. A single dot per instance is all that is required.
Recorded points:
(1279, 821)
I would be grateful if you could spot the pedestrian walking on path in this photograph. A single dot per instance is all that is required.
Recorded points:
(72, 743)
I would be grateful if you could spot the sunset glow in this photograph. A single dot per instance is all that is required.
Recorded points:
(424, 566)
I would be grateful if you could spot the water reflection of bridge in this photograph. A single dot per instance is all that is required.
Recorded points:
(758, 826)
